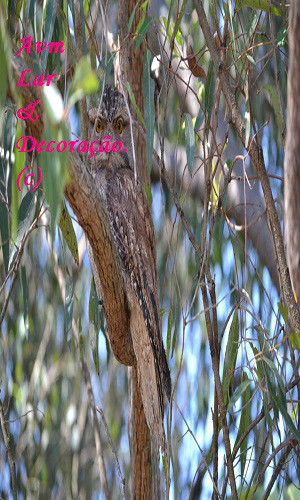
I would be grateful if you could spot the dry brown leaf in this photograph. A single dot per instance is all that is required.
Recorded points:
(194, 67)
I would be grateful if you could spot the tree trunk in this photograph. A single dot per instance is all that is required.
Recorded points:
(130, 68)
(292, 151)
(292, 161)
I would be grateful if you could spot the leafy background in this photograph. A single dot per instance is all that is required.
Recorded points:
(42, 388)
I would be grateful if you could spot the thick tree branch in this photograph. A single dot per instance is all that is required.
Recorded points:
(292, 158)
(129, 66)
(86, 202)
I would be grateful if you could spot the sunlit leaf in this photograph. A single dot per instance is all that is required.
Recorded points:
(259, 5)
(54, 166)
(84, 82)
(295, 340)
(66, 226)
(282, 37)
(54, 103)
(247, 115)
(284, 311)
(148, 193)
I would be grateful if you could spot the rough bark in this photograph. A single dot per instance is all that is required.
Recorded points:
(137, 64)
(292, 161)
(140, 442)
(130, 66)
(292, 151)
(85, 200)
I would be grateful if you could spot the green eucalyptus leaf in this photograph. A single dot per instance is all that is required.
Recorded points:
(209, 93)
(189, 141)
(244, 390)
(84, 82)
(67, 229)
(137, 110)
(4, 231)
(51, 8)
(275, 103)
(24, 217)
(295, 340)
(69, 295)
(230, 355)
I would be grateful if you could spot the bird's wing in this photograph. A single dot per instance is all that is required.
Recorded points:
(133, 232)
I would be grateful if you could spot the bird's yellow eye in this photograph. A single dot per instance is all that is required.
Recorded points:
(119, 125)
(99, 126)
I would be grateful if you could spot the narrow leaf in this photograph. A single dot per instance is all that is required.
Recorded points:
(25, 296)
(69, 294)
(148, 193)
(137, 110)
(67, 229)
(24, 213)
(169, 333)
(209, 93)
(284, 311)
(4, 234)
(132, 16)
(238, 393)
(275, 103)
(142, 32)
(199, 119)
(295, 340)
(279, 399)
(48, 30)
(94, 325)
(189, 141)
(230, 355)
(244, 420)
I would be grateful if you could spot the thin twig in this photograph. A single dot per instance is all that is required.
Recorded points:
(289, 444)
(12, 465)
(256, 155)
(113, 448)
(87, 377)
(95, 421)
